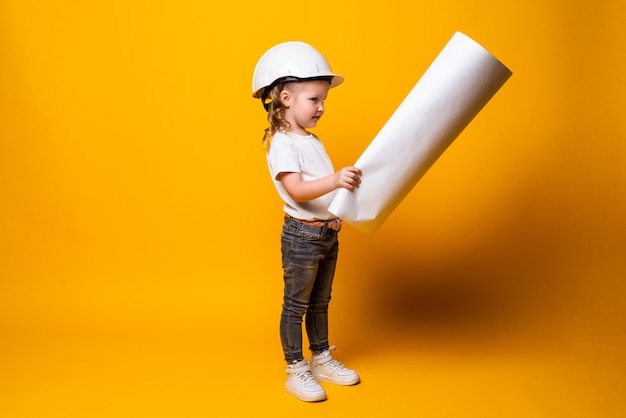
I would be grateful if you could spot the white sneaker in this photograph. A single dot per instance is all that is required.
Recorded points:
(302, 384)
(326, 369)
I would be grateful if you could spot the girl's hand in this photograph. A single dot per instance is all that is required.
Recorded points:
(303, 191)
(348, 178)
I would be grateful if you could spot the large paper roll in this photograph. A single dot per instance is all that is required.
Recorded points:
(452, 91)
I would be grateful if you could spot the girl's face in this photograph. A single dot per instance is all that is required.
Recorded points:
(304, 104)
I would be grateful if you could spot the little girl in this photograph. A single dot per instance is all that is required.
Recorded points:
(292, 80)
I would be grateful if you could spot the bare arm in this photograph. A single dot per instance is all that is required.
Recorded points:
(302, 191)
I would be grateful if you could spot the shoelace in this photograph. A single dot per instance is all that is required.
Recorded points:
(334, 364)
(305, 377)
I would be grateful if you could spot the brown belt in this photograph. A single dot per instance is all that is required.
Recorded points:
(334, 224)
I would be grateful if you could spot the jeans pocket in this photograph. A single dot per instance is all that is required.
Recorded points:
(307, 235)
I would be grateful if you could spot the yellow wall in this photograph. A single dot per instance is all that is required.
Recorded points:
(134, 194)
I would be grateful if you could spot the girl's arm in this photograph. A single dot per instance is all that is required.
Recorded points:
(302, 191)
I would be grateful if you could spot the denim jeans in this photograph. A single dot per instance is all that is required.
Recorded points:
(309, 257)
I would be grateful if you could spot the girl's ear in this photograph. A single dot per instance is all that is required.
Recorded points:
(285, 98)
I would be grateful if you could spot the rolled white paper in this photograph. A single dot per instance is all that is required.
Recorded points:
(452, 91)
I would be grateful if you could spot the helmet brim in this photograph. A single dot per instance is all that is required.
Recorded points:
(335, 80)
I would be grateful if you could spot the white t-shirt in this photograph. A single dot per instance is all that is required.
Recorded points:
(292, 153)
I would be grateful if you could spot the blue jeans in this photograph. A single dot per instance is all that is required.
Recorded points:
(309, 257)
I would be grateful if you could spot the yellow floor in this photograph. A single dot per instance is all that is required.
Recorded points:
(219, 370)
(485, 332)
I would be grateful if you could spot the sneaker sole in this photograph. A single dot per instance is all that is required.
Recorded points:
(312, 398)
(324, 379)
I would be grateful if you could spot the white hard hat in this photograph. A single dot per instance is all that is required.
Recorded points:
(296, 60)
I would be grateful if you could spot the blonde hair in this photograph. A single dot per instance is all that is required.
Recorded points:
(275, 115)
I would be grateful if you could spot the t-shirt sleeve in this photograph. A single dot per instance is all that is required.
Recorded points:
(283, 157)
